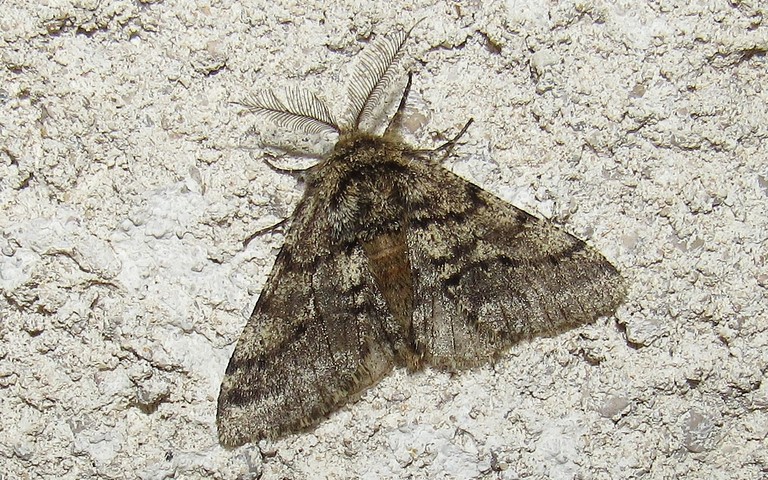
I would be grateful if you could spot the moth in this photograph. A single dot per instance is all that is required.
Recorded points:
(391, 260)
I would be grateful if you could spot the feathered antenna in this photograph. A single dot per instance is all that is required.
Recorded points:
(301, 111)
(373, 75)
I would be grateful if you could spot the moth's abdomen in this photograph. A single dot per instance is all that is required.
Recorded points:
(389, 263)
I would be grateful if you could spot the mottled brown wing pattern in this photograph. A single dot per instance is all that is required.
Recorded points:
(392, 260)
(490, 274)
(314, 338)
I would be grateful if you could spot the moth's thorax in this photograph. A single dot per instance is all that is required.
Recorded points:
(366, 179)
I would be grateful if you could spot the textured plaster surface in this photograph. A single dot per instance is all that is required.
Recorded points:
(128, 183)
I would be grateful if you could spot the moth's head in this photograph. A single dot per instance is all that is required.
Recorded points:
(358, 142)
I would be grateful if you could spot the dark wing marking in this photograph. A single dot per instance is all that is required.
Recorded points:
(315, 337)
(488, 274)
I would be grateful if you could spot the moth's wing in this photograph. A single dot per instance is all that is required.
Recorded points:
(487, 274)
(314, 337)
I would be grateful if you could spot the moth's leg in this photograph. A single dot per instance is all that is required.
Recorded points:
(287, 171)
(448, 146)
(397, 118)
(295, 172)
(264, 230)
